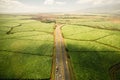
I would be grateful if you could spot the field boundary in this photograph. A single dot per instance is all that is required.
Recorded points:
(53, 61)
(96, 42)
(98, 27)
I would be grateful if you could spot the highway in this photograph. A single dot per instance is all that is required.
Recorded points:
(62, 69)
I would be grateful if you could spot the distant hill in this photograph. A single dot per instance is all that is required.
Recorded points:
(106, 9)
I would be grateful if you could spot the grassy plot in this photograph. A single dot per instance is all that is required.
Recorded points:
(26, 52)
(92, 51)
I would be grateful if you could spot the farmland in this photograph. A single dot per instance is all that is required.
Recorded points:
(93, 45)
(26, 48)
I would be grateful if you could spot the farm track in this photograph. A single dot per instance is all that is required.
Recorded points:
(33, 31)
(117, 48)
(20, 38)
(103, 37)
(61, 63)
(23, 36)
(98, 27)
(9, 32)
(113, 71)
(26, 39)
(36, 54)
(11, 29)
(91, 39)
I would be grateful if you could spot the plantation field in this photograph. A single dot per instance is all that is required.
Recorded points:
(102, 22)
(93, 45)
(26, 48)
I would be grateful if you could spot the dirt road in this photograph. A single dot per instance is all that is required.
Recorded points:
(62, 70)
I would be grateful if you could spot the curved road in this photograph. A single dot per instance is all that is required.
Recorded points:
(62, 70)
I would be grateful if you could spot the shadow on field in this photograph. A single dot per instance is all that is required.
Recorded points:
(26, 63)
(92, 65)
(31, 50)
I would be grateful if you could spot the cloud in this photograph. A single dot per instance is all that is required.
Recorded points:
(97, 2)
(53, 2)
(60, 3)
(16, 6)
(83, 1)
(49, 2)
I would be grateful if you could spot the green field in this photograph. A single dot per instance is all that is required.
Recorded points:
(93, 45)
(26, 48)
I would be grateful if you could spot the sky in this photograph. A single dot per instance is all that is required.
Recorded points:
(35, 6)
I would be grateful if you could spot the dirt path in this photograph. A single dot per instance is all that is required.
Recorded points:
(62, 70)
(113, 70)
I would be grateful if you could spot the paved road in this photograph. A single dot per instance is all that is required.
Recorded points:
(62, 70)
